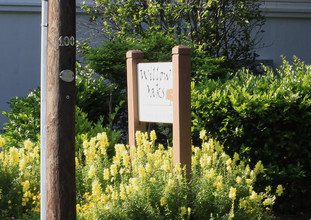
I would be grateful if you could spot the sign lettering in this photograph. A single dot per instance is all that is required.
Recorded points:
(155, 84)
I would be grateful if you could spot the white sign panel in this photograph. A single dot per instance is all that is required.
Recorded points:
(155, 92)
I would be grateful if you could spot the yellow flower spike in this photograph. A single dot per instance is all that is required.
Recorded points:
(249, 181)
(153, 136)
(28, 145)
(215, 156)
(203, 135)
(183, 211)
(279, 190)
(103, 142)
(126, 160)
(133, 184)
(90, 154)
(122, 192)
(209, 173)
(247, 170)
(171, 183)
(229, 162)
(153, 180)
(166, 165)
(106, 174)
(133, 150)
(148, 168)
(25, 185)
(145, 136)
(85, 144)
(161, 147)
(250, 189)
(109, 189)
(116, 160)
(141, 171)
(92, 172)
(147, 146)
(236, 157)
(113, 170)
(205, 160)
(14, 156)
(259, 168)
(96, 190)
(77, 162)
(255, 197)
(162, 201)
(121, 171)
(219, 182)
(268, 189)
(2, 141)
(177, 168)
(229, 169)
(22, 164)
(140, 152)
(269, 201)
(93, 142)
(238, 180)
(115, 195)
(232, 193)
(138, 136)
(128, 189)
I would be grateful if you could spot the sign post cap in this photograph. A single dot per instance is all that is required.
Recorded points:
(136, 54)
(184, 50)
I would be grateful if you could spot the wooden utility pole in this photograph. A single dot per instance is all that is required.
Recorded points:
(60, 154)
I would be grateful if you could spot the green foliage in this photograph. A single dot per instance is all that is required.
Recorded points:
(109, 60)
(24, 118)
(94, 96)
(99, 98)
(266, 117)
(226, 28)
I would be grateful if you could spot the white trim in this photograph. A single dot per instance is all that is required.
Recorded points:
(27, 6)
(287, 8)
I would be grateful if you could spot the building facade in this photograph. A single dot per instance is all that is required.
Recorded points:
(287, 32)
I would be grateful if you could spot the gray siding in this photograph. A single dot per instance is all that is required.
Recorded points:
(287, 32)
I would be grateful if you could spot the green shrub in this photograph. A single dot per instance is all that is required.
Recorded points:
(109, 60)
(93, 103)
(97, 97)
(223, 28)
(24, 118)
(266, 117)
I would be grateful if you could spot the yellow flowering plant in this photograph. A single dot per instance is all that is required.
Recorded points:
(19, 181)
(141, 182)
(148, 185)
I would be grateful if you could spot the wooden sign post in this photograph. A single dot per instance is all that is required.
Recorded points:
(182, 106)
(133, 58)
(160, 93)
(60, 153)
